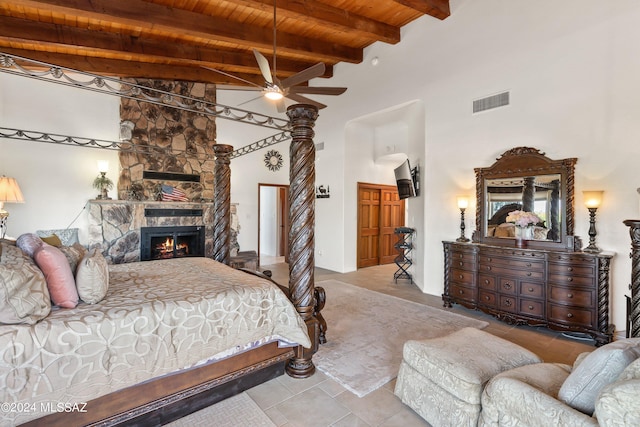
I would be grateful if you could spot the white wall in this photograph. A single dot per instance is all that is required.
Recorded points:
(56, 181)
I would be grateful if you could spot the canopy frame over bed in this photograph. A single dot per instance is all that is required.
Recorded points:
(171, 397)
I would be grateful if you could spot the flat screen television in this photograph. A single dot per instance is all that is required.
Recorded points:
(405, 180)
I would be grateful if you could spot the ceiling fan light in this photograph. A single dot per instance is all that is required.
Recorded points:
(273, 95)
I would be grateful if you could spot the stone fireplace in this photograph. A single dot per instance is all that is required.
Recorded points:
(115, 225)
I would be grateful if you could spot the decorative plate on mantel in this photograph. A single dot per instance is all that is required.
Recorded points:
(273, 160)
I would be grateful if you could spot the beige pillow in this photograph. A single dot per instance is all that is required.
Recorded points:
(74, 255)
(92, 277)
(599, 368)
(24, 296)
(505, 230)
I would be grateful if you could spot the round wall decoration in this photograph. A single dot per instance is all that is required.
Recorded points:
(273, 160)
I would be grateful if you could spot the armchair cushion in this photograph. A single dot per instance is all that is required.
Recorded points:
(601, 367)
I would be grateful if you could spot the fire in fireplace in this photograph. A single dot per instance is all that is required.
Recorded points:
(171, 242)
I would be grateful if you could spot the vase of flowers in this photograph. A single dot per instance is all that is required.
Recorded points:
(524, 222)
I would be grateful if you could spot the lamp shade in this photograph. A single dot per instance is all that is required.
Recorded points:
(103, 166)
(592, 199)
(463, 202)
(10, 191)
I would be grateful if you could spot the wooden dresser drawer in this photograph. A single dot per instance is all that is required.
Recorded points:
(463, 277)
(462, 292)
(504, 270)
(533, 265)
(557, 279)
(508, 303)
(462, 264)
(531, 290)
(531, 307)
(487, 282)
(486, 298)
(572, 296)
(572, 315)
(508, 286)
(570, 270)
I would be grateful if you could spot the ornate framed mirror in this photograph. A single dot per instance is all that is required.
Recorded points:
(524, 179)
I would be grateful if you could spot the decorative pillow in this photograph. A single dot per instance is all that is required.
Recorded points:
(505, 230)
(53, 240)
(92, 278)
(57, 272)
(601, 367)
(24, 297)
(74, 255)
(29, 242)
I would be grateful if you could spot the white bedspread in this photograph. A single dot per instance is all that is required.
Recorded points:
(158, 317)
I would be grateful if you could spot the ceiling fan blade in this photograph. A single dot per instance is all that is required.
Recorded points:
(232, 76)
(305, 100)
(242, 88)
(318, 90)
(263, 64)
(304, 75)
(250, 100)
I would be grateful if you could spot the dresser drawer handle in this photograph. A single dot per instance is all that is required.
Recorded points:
(461, 263)
(508, 302)
(460, 291)
(487, 297)
(570, 268)
(528, 264)
(530, 307)
(530, 289)
(529, 274)
(507, 285)
(489, 267)
(569, 315)
(569, 279)
(460, 256)
(461, 276)
(569, 295)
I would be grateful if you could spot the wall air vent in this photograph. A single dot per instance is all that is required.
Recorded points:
(490, 102)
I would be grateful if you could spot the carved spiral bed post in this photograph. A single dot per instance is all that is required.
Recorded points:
(301, 232)
(634, 231)
(222, 204)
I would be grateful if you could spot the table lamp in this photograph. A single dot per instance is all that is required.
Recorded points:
(9, 193)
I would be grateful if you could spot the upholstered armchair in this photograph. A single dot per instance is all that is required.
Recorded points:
(602, 388)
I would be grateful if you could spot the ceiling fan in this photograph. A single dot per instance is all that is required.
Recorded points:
(275, 89)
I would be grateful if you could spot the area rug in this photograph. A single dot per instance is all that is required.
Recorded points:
(366, 331)
(236, 411)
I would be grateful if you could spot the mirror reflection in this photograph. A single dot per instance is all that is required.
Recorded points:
(541, 194)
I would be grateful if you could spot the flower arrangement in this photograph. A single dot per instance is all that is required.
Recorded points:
(523, 219)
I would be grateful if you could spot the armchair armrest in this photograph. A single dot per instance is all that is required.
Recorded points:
(526, 396)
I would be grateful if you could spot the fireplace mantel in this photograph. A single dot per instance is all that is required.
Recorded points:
(114, 225)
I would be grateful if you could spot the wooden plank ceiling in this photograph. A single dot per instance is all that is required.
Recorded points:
(172, 39)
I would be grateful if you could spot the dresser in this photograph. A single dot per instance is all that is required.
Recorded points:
(566, 291)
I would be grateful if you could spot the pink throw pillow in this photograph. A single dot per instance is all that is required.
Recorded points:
(58, 275)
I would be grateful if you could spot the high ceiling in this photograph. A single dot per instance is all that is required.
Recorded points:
(173, 39)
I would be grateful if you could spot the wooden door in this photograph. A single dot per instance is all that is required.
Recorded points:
(380, 211)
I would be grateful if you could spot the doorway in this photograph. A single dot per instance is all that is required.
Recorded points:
(273, 223)
(380, 212)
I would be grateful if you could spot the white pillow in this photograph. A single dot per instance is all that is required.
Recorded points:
(92, 277)
(601, 367)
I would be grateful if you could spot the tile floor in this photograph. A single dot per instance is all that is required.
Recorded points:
(319, 401)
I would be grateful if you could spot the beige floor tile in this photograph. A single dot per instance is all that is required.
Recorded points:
(311, 408)
(268, 394)
(350, 420)
(298, 385)
(406, 417)
(374, 408)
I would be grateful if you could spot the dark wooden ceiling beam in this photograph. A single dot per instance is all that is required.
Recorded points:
(125, 68)
(97, 42)
(328, 16)
(149, 16)
(436, 8)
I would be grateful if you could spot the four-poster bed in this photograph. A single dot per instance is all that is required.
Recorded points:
(159, 400)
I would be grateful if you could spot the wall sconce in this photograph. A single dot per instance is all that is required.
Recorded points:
(592, 199)
(463, 203)
(102, 182)
(9, 193)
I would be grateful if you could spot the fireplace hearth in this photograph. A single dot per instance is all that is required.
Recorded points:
(171, 242)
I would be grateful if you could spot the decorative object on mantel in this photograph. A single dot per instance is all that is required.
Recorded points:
(524, 222)
(173, 194)
(9, 193)
(322, 193)
(273, 160)
(463, 204)
(102, 182)
(592, 199)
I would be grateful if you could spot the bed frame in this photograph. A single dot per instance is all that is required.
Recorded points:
(168, 398)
